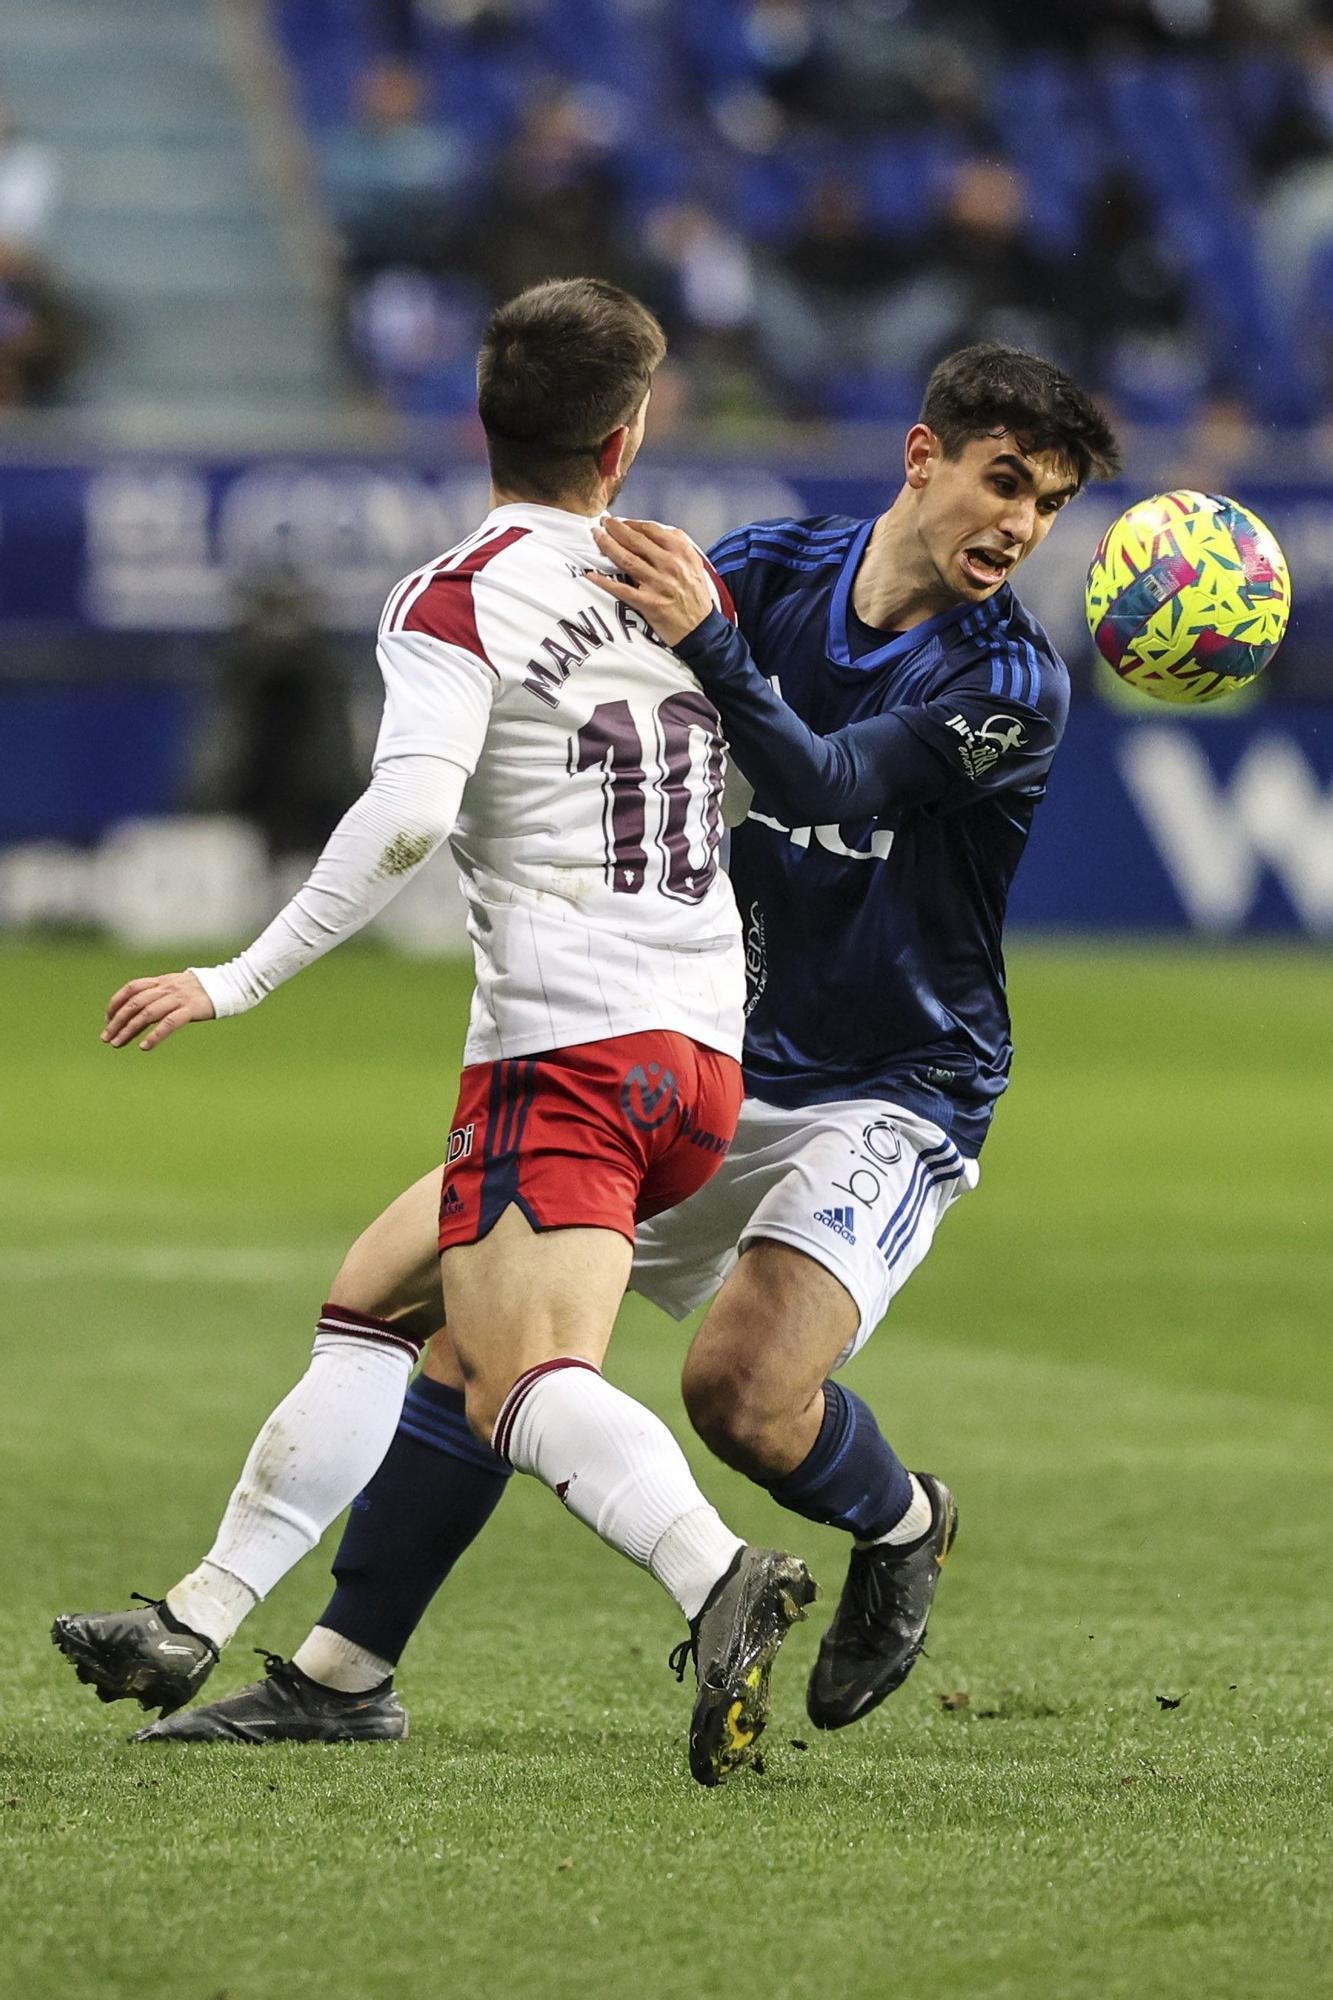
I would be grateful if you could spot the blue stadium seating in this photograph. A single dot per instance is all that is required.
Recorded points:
(1181, 127)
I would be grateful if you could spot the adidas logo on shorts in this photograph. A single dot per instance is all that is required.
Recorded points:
(451, 1203)
(840, 1220)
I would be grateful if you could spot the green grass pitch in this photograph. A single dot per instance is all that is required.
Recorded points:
(1118, 1354)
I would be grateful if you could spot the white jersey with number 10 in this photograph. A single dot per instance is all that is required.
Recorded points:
(590, 827)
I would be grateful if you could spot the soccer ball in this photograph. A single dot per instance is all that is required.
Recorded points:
(1188, 596)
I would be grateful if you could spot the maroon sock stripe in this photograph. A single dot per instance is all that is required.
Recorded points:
(504, 1423)
(364, 1326)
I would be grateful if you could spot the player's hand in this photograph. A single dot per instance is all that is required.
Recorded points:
(160, 1005)
(668, 580)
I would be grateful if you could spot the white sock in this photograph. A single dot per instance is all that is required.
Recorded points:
(311, 1459)
(618, 1468)
(211, 1602)
(915, 1522)
(335, 1662)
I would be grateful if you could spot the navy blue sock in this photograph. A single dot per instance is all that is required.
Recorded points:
(852, 1478)
(432, 1496)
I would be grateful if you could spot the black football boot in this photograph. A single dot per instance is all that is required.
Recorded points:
(144, 1655)
(879, 1626)
(287, 1707)
(734, 1642)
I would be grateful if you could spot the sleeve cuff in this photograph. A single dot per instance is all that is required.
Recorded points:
(714, 636)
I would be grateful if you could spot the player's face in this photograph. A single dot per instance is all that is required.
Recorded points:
(984, 511)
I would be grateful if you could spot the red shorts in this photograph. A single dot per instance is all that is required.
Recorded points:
(595, 1137)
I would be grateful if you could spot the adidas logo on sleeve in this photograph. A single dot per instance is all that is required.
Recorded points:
(840, 1220)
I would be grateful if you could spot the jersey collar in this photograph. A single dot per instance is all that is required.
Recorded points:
(554, 524)
(902, 643)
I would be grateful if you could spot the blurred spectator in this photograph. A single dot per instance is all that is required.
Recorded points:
(391, 177)
(979, 277)
(29, 180)
(1115, 25)
(856, 66)
(821, 301)
(1221, 443)
(551, 208)
(705, 272)
(1126, 281)
(36, 331)
(700, 279)
(279, 749)
(1292, 163)
(485, 20)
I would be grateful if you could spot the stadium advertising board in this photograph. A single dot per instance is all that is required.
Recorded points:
(1220, 822)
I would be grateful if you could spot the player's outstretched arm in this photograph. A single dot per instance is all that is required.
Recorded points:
(404, 815)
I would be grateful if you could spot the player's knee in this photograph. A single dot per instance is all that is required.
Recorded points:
(732, 1407)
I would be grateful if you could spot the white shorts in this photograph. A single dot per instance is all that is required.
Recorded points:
(859, 1185)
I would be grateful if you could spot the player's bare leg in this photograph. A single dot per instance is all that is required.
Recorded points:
(530, 1317)
(756, 1386)
(311, 1458)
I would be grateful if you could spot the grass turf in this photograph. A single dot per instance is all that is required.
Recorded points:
(1118, 1355)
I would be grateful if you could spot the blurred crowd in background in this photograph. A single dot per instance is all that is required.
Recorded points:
(819, 197)
(247, 249)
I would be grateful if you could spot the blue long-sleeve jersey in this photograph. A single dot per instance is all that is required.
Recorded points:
(895, 785)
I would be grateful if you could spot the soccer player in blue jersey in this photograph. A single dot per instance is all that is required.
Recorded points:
(895, 713)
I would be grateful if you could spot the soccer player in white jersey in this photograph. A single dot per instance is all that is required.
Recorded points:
(895, 780)
(569, 756)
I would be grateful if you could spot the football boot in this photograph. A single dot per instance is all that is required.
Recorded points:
(879, 1626)
(733, 1643)
(144, 1655)
(287, 1707)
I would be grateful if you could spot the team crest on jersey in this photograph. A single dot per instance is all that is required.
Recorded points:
(981, 749)
(649, 1095)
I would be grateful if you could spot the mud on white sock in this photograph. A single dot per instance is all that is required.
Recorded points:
(318, 1449)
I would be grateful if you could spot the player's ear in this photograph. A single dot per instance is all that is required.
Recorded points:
(920, 450)
(611, 452)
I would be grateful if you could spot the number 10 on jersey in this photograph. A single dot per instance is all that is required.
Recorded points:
(680, 769)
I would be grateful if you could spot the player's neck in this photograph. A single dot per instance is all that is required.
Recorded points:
(896, 585)
(590, 508)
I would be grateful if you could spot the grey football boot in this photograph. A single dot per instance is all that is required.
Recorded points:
(734, 1642)
(287, 1707)
(144, 1655)
(879, 1626)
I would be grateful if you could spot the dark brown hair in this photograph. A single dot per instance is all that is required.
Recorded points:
(561, 366)
(991, 388)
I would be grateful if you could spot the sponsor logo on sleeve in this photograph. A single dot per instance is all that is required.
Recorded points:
(981, 749)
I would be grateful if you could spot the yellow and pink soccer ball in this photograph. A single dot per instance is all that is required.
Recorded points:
(1188, 596)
